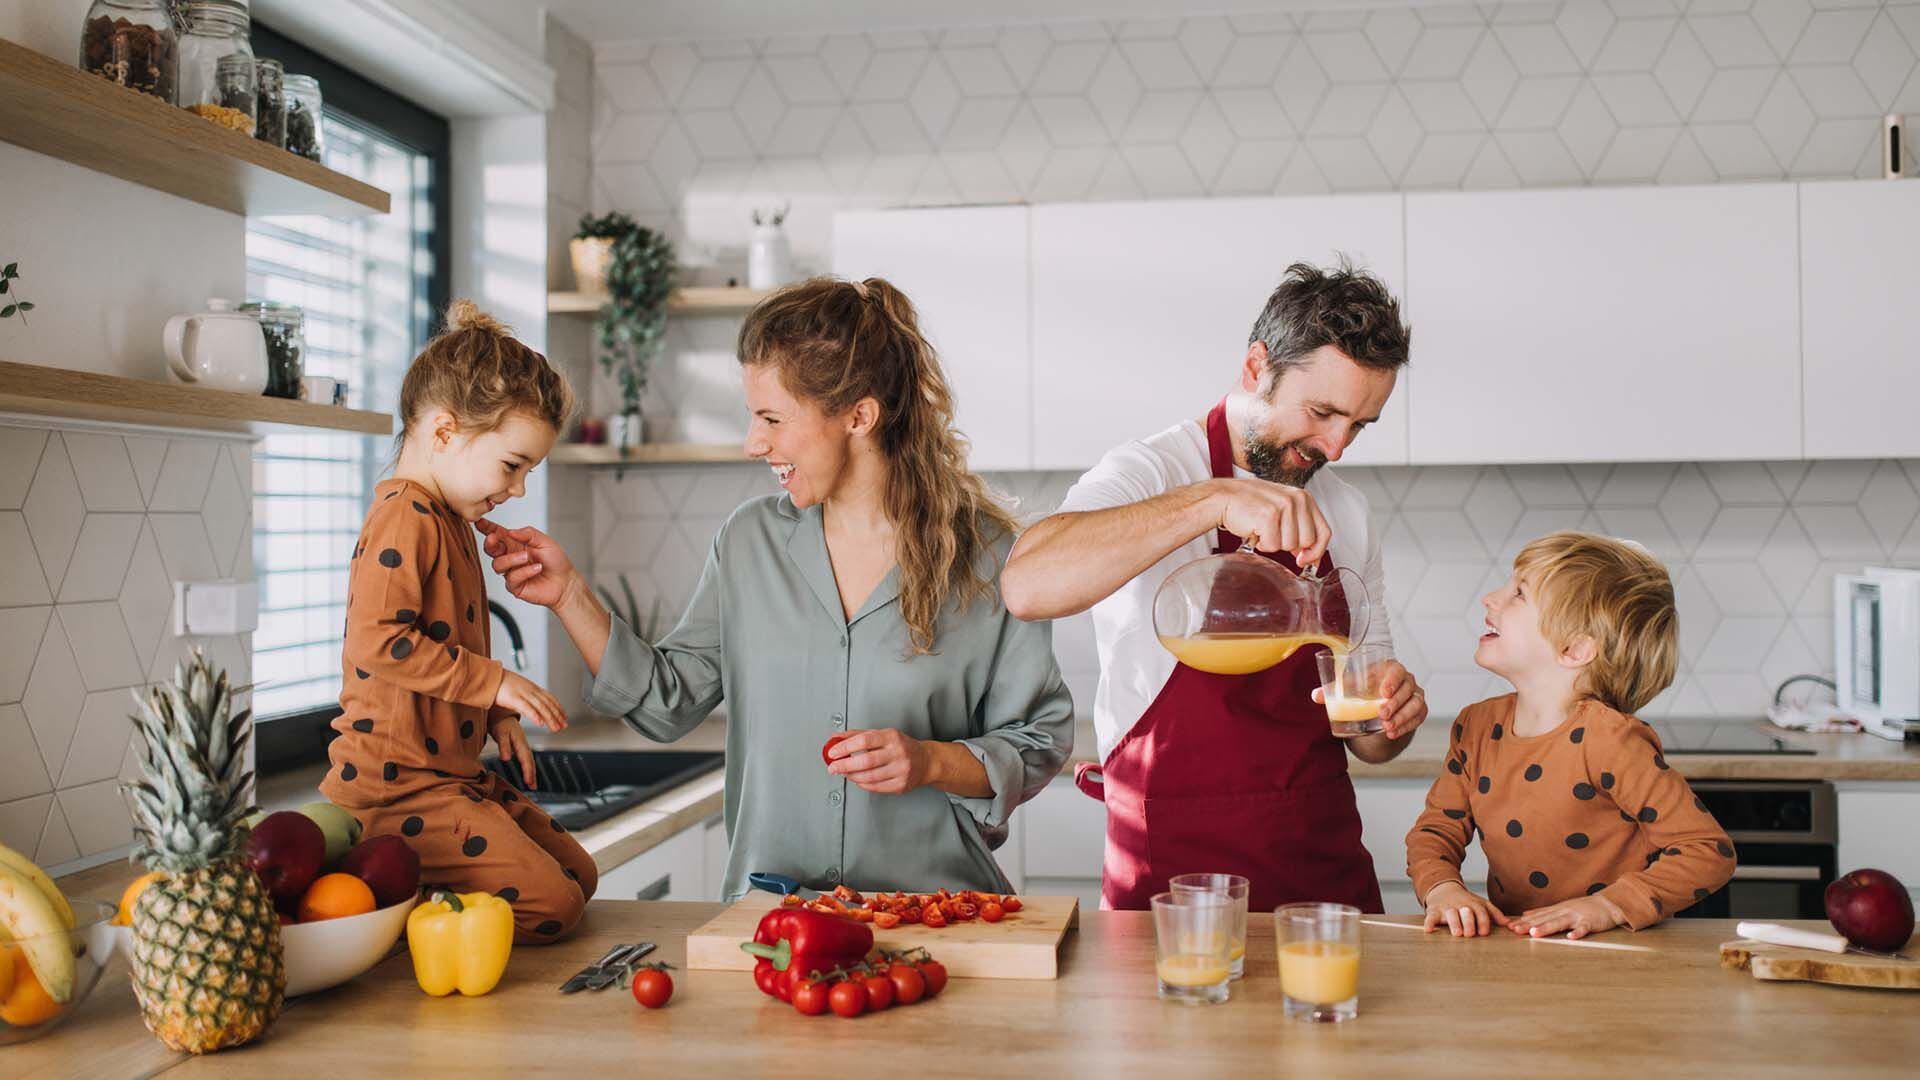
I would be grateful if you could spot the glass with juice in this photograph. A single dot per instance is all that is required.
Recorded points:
(1193, 938)
(1350, 684)
(1319, 961)
(1236, 890)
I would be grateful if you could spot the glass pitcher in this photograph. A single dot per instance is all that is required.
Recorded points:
(1241, 612)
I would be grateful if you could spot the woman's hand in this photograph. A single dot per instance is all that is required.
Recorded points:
(1464, 913)
(1578, 917)
(535, 567)
(882, 761)
(519, 694)
(511, 738)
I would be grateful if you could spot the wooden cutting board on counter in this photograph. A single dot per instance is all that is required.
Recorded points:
(1024, 945)
(1784, 963)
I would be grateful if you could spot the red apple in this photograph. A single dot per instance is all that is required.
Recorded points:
(286, 850)
(388, 865)
(1871, 909)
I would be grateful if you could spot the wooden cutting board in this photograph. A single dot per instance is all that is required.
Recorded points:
(1784, 963)
(1024, 945)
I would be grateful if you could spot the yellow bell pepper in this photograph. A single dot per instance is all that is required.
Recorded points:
(460, 942)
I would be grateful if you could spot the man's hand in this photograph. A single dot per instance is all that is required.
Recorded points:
(882, 761)
(1275, 516)
(1464, 913)
(1405, 708)
(535, 567)
(1577, 918)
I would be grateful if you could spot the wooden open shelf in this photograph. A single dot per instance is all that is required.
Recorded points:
(645, 454)
(690, 300)
(86, 395)
(63, 112)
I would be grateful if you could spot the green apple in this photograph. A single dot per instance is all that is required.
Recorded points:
(342, 829)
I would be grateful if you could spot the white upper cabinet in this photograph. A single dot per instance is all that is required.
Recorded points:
(1141, 311)
(1859, 289)
(966, 272)
(1623, 324)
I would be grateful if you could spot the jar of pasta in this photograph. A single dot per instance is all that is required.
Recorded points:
(217, 75)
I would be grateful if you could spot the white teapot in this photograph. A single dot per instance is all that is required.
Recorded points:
(220, 348)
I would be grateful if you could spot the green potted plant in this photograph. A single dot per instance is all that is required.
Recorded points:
(633, 321)
(10, 302)
(592, 248)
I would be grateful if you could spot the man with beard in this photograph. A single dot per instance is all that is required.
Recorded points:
(1216, 773)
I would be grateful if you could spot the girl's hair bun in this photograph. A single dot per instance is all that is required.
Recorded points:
(466, 315)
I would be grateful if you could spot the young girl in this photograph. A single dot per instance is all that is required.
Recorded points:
(420, 693)
(1584, 825)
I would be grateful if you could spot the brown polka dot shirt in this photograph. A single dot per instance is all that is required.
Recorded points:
(417, 682)
(1589, 807)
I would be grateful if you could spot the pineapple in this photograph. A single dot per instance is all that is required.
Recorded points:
(207, 965)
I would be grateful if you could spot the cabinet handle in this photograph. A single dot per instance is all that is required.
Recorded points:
(656, 891)
(1776, 873)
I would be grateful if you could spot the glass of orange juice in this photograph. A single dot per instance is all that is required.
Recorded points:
(1319, 961)
(1350, 683)
(1235, 888)
(1193, 938)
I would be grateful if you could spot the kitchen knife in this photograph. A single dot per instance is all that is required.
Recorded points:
(780, 885)
(1775, 934)
(585, 975)
(625, 964)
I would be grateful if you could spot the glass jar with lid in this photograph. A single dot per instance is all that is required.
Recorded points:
(270, 104)
(132, 43)
(303, 117)
(285, 328)
(216, 64)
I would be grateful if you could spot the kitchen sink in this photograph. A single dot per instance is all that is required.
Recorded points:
(586, 787)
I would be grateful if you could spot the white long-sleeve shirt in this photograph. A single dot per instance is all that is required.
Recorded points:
(1133, 663)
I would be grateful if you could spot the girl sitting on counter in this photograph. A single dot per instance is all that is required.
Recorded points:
(1584, 825)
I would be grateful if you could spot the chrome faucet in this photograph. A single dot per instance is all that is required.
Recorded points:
(513, 633)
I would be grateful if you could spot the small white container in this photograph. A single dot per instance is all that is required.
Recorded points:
(769, 258)
(219, 348)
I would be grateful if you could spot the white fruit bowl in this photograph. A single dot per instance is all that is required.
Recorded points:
(324, 954)
(331, 951)
(92, 943)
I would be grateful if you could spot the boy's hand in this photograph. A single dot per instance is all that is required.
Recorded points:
(1586, 915)
(521, 695)
(511, 738)
(1464, 913)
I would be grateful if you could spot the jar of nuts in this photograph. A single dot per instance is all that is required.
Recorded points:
(133, 43)
(217, 77)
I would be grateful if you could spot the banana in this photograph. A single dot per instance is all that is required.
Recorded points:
(25, 868)
(26, 913)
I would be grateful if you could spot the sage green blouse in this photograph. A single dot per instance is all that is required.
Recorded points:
(765, 633)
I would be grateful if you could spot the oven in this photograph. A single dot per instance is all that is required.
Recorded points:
(1784, 834)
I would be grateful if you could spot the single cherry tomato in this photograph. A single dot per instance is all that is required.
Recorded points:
(935, 973)
(652, 986)
(909, 985)
(848, 999)
(885, 920)
(810, 997)
(1010, 903)
(933, 917)
(824, 756)
(880, 992)
(991, 911)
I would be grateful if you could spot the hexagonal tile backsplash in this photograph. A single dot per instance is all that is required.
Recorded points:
(1752, 548)
(97, 525)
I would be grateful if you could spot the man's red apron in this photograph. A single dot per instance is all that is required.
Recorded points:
(1234, 774)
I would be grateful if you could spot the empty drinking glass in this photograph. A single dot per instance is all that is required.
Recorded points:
(1235, 888)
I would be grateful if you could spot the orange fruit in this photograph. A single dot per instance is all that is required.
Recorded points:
(124, 917)
(335, 896)
(28, 1004)
(6, 970)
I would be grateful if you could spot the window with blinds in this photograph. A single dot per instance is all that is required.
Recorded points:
(364, 286)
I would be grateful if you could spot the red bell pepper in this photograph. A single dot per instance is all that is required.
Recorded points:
(796, 941)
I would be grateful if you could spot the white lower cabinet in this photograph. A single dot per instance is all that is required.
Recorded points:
(1388, 809)
(677, 869)
(1877, 822)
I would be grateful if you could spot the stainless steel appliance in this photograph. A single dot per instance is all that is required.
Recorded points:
(1876, 649)
(1784, 835)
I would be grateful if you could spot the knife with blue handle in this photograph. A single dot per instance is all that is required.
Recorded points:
(780, 885)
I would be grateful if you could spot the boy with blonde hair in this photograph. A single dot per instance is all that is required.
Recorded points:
(1584, 825)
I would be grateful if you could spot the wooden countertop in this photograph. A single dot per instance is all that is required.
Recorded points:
(1430, 1005)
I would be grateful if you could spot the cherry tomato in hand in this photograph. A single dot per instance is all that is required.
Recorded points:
(909, 985)
(935, 973)
(825, 757)
(810, 997)
(652, 986)
(848, 999)
(991, 911)
(880, 992)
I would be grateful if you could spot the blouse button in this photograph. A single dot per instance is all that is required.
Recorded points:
(833, 797)
(833, 873)
(839, 720)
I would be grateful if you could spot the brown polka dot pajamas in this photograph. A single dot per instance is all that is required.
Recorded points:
(417, 690)
(1589, 807)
